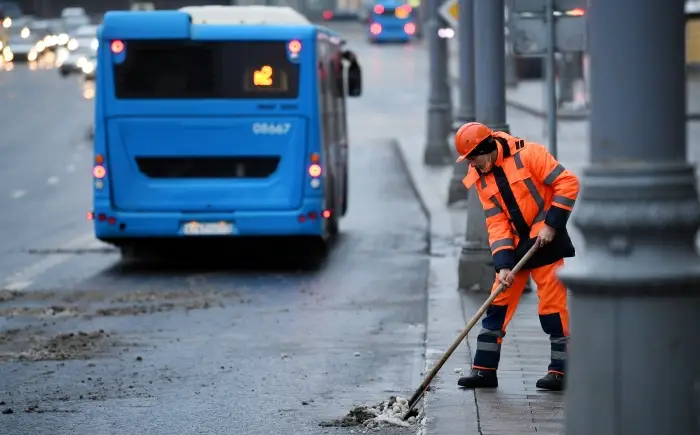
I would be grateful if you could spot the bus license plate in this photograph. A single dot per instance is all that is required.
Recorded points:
(207, 228)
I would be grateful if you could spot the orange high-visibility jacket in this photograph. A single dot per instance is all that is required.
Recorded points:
(526, 189)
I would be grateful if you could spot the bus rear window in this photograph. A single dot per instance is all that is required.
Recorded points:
(206, 70)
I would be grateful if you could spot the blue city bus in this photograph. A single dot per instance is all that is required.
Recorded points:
(391, 20)
(215, 122)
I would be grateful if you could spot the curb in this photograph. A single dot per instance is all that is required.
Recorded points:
(396, 146)
(562, 115)
(446, 409)
(569, 115)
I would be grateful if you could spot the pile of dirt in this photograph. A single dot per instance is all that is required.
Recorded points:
(32, 344)
(387, 413)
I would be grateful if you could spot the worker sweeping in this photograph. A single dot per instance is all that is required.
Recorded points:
(527, 196)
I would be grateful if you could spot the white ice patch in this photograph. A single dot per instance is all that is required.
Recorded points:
(387, 413)
(390, 413)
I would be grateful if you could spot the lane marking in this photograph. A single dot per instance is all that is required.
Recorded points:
(52, 181)
(18, 194)
(25, 277)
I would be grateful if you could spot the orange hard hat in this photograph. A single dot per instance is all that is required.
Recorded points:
(469, 136)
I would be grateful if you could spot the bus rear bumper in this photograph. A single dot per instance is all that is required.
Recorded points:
(391, 36)
(113, 224)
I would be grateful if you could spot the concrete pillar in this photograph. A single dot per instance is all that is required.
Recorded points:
(466, 112)
(634, 357)
(437, 151)
(475, 263)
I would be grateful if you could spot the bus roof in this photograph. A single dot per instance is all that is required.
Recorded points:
(256, 15)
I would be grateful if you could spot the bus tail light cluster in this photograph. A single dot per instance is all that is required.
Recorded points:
(99, 171)
(101, 217)
(375, 28)
(315, 171)
(314, 216)
(293, 49)
(409, 28)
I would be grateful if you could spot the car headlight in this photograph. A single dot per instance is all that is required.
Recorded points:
(62, 39)
(7, 23)
(95, 44)
(32, 56)
(80, 62)
(25, 33)
(40, 46)
(72, 44)
(88, 67)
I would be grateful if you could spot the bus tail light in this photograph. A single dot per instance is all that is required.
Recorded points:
(378, 9)
(375, 28)
(99, 172)
(101, 217)
(294, 46)
(315, 170)
(313, 216)
(116, 46)
(409, 28)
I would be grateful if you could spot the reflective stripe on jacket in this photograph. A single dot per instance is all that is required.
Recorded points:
(526, 188)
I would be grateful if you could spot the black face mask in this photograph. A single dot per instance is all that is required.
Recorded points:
(486, 146)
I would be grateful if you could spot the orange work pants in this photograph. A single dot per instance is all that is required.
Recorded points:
(552, 309)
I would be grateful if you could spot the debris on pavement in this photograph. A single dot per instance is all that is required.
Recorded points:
(38, 344)
(387, 413)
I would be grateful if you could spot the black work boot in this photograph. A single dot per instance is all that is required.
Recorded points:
(479, 379)
(551, 381)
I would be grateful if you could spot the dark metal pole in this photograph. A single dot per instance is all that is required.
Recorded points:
(635, 360)
(551, 66)
(475, 263)
(467, 108)
(437, 151)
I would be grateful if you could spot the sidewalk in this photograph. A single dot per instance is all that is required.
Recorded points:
(530, 95)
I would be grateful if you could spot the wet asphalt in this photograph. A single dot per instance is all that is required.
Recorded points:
(90, 344)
